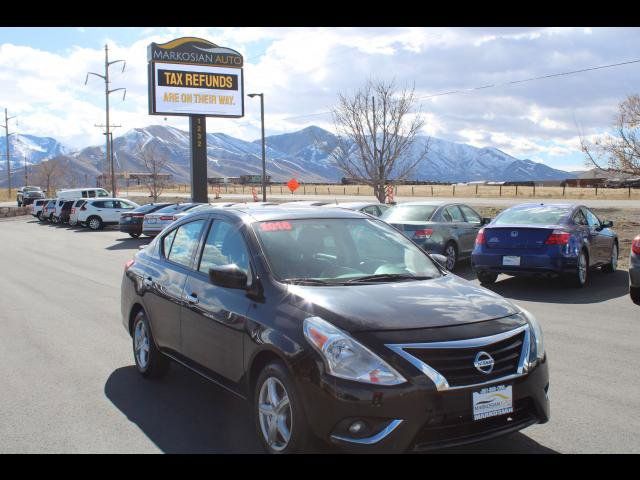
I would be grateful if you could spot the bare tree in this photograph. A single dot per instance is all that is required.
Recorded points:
(155, 160)
(50, 174)
(618, 152)
(376, 134)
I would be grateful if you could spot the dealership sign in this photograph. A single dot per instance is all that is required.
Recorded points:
(192, 76)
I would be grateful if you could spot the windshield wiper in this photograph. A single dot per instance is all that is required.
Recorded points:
(305, 281)
(387, 276)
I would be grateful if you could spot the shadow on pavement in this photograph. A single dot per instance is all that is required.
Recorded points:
(515, 443)
(184, 413)
(601, 287)
(129, 243)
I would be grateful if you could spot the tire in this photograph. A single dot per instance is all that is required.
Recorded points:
(580, 277)
(19, 203)
(39, 216)
(634, 293)
(451, 252)
(487, 278)
(150, 363)
(613, 263)
(95, 223)
(134, 235)
(290, 415)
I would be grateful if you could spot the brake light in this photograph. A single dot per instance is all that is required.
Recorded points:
(129, 264)
(169, 217)
(558, 238)
(635, 246)
(480, 240)
(424, 233)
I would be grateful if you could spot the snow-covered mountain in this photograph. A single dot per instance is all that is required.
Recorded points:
(303, 154)
(30, 148)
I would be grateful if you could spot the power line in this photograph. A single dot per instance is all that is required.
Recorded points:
(513, 82)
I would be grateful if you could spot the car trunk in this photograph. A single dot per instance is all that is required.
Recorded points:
(410, 227)
(517, 237)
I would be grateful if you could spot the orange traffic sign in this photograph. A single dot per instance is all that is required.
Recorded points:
(293, 185)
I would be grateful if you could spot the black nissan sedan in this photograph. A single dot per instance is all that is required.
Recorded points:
(335, 327)
(131, 222)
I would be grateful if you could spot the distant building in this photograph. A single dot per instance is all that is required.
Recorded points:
(584, 182)
(253, 179)
(131, 178)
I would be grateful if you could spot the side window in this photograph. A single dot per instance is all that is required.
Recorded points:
(225, 245)
(454, 213)
(84, 194)
(372, 210)
(124, 205)
(91, 193)
(591, 218)
(167, 241)
(579, 218)
(471, 215)
(184, 243)
(97, 204)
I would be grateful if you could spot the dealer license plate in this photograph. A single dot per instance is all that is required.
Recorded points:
(511, 261)
(492, 401)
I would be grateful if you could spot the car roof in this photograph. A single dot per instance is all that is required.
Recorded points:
(352, 204)
(566, 205)
(296, 213)
(426, 203)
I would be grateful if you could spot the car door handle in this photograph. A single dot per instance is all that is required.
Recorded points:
(192, 299)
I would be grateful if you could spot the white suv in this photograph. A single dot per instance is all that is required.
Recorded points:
(96, 213)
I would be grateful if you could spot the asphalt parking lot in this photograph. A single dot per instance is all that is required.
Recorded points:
(69, 384)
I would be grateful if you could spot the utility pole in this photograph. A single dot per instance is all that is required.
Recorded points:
(109, 135)
(6, 133)
(105, 77)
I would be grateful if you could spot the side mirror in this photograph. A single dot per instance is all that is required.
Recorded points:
(228, 276)
(485, 221)
(607, 224)
(440, 259)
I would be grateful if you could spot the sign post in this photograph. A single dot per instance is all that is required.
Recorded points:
(196, 78)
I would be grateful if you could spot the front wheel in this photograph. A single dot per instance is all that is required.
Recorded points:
(634, 293)
(280, 420)
(579, 277)
(134, 235)
(95, 223)
(613, 263)
(149, 361)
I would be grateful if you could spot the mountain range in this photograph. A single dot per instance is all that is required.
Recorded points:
(303, 154)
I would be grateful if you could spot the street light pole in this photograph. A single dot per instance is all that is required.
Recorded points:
(6, 131)
(264, 157)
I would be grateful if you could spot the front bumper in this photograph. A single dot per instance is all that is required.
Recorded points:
(428, 419)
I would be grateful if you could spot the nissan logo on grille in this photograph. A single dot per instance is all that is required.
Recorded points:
(484, 362)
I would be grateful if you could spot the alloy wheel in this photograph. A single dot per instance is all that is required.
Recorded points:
(94, 224)
(450, 252)
(141, 344)
(275, 416)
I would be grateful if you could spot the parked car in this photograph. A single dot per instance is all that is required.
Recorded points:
(65, 211)
(372, 208)
(57, 209)
(75, 211)
(86, 192)
(154, 223)
(96, 213)
(26, 195)
(47, 210)
(634, 271)
(37, 206)
(304, 203)
(445, 228)
(131, 222)
(545, 239)
(335, 326)
(205, 206)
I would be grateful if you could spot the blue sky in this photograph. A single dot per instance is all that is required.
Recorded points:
(302, 70)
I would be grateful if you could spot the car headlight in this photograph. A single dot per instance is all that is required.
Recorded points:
(345, 357)
(536, 352)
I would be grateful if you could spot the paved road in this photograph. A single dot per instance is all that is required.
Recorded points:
(485, 201)
(69, 385)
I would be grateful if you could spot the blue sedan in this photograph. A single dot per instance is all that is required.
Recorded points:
(545, 239)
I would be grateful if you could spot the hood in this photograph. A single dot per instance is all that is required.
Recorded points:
(445, 301)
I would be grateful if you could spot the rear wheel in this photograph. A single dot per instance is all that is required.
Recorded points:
(134, 235)
(280, 420)
(487, 278)
(451, 252)
(95, 223)
(580, 276)
(613, 263)
(149, 361)
(634, 293)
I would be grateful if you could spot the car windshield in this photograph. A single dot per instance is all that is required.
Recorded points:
(31, 189)
(339, 251)
(533, 215)
(410, 213)
(102, 193)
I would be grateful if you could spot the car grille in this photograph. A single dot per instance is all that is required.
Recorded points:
(451, 364)
(459, 427)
